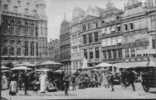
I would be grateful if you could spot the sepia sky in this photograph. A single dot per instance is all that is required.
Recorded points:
(56, 9)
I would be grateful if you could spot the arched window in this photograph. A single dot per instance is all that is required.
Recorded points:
(5, 51)
(18, 51)
(11, 51)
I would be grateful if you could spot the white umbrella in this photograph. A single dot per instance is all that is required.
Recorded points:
(42, 70)
(4, 67)
(103, 65)
(59, 71)
(50, 63)
(21, 68)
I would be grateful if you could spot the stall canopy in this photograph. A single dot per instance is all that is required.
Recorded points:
(101, 65)
(26, 64)
(43, 70)
(49, 63)
(135, 64)
(4, 67)
(21, 68)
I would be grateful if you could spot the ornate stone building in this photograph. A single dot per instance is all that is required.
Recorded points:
(134, 37)
(23, 30)
(116, 36)
(76, 57)
(65, 46)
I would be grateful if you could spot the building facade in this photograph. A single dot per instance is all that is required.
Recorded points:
(113, 35)
(65, 46)
(76, 57)
(54, 50)
(134, 37)
(23, 30)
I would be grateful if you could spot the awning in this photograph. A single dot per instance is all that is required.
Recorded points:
(131, 64)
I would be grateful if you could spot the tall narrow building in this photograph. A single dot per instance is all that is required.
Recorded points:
(65, 46)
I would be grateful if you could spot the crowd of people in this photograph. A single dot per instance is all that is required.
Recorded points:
(42, 82)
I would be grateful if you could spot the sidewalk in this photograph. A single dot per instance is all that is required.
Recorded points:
(89, 93)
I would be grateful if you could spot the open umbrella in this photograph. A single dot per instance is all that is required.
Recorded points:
(21, 68)
(42, 70)
(103, 65)
(4, 67)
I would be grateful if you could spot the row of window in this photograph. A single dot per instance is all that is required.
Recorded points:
(16, 25)
(130, 52)
(15, 7)
(89, 26)
(112, 54)
(90, 38)
(91, 53)
(6, 51)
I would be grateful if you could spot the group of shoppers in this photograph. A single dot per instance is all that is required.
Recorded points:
(25, 79)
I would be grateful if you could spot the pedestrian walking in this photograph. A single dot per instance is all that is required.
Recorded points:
(13, 86)
(4, 81)
(110, 81)
(131, 78)
(26, 76)
(74, 83)
(43, 78)
(66, 85)
(105, 81)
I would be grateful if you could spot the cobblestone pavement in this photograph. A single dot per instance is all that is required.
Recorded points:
(90, 93)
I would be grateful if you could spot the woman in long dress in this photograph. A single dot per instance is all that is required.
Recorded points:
(13, 86)
(4, 82)
(105, 80)
(43, 78)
